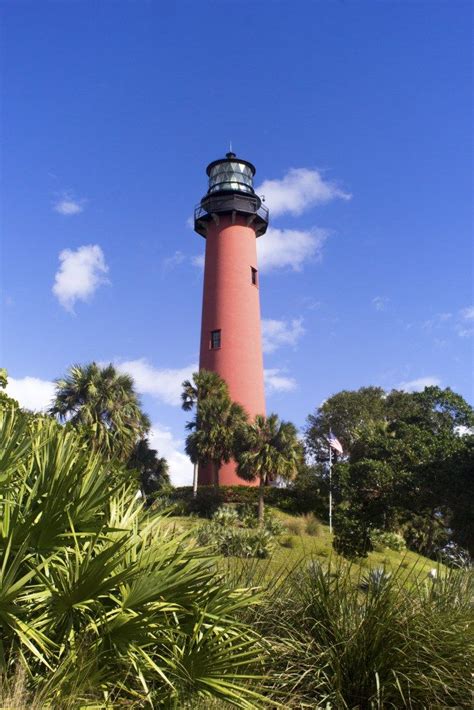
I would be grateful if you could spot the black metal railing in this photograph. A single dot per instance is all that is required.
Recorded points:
(230, 203)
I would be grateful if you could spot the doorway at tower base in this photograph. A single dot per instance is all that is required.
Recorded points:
(227, 475)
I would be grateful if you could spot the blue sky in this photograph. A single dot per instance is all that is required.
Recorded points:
(358, 117)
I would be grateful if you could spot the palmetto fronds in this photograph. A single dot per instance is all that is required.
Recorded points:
(95, 596)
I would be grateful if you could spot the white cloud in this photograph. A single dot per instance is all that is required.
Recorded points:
(419, 384)
(437, 321)
(163, 384)
(277, 333)
(80, 273)
(198, 261)
(465, 326)
(178, 258)
(464, 332)
(298, 190)
(171, 261)
(31, 392)
(289, 248)
(181, 468)
(67, 205)
(379, 303)
(277, 381)
(468, 313)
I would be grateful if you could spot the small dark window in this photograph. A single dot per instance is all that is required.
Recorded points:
(215, 339)
(254, 275)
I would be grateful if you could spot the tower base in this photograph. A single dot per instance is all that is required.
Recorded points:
(227, 475)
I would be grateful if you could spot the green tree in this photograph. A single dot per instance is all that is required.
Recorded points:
(216, 421)
(411, 471)
(4, 398)
(268, 449)
(153, 470)
(103, 404)
(205, 384)
(213, 432)
(349, 414)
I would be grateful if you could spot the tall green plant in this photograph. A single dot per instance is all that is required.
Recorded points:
(97, 599)
(268, 449)
(104, 405)
(204, 384)
(153, 470)
(217, 420)
(383, 641)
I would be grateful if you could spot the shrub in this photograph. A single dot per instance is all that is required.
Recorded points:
(272, 524)
(262, 542)
(248, 514)
(295, 526)
(233, 541)
(208, 499)
(351, 535)
(95, 596)
(312, 525)
(398, 645)
(225, 516)
(288, 541)
(381, 539)
(455, 556)
(375, 579)
(206, 534)
(177, 507)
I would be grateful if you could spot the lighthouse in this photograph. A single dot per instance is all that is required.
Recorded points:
(231, 217)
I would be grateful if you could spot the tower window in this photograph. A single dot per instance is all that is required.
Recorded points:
(215, 339)
(254, 276)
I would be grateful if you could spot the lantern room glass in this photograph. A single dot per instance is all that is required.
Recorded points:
(231, 175)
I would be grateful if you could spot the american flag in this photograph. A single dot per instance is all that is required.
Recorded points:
(334, 443)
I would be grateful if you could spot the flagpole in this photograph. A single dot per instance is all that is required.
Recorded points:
(330, 489)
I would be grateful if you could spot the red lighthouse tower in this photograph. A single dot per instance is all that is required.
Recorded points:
(231, 217)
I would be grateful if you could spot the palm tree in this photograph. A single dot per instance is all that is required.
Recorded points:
(214, 431)
(268, 449)
(216, 420)
(103, 403)
(96, 597)
(152, 469)
(205, 383)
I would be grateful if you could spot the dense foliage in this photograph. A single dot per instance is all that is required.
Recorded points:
(240, 533)
(104, 604)
(296, 499)
(408, 466)
(97, 599)
(376, 641)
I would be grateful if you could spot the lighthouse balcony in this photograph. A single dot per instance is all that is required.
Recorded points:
(231, 203)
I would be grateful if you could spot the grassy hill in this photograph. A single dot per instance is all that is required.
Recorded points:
(295, 545)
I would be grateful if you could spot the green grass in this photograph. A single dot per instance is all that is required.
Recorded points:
(337, 638)
(317, 547)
